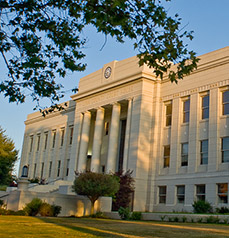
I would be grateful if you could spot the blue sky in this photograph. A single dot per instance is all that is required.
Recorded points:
(207, 18)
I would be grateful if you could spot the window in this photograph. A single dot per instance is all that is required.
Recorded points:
(50, 168)
(31, 144)
(200, 192)
(225, 149)
(38, 141)
(71, 135)
(58, 168)
(106, 128)
(162, 194)
(166, 156)
(204, 152)
(67, 170)
(186, 109)
(225, 101)
(184, 154)
(205, 106)
(62, 137)
(53, 139)
(180, 193)
(46, 140)
(222, 192)
(42, 170)
(168, 114)
(34, 170)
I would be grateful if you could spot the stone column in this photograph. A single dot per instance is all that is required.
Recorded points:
(97, 140)
(127, 136)
(113, 138)
(84, 141)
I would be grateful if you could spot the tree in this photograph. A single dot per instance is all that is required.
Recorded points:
(8, 156)
(94, 185)
(42, 40)
(123, 196)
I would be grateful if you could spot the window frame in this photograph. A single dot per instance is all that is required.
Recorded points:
(224, 150)
(53, 138)
(203, 107)
(162, 196)
(226, 103)
(166, 157)
(200, 195)
(184, 162)
(180, 196)
(168, 113)
(62, 134)
(186, 112)
(221, 195)
(202, 153)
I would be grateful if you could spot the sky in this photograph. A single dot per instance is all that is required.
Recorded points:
(207, 18)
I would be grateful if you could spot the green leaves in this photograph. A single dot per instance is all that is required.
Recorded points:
(8, 156)
(45, 41)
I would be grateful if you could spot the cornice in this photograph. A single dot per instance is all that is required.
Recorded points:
(40, 118)
(113, 85)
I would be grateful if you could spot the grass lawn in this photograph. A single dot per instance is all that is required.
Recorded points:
(17, 226)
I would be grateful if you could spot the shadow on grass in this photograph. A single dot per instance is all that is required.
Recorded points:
(83, 228)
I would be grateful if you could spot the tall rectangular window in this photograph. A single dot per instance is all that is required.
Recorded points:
(53, 138)
(67, 169)
(62, 137)
(200, 192)
(205, 106)
(222, 192)
(184, 154)
(166, 156)
(180, 193)
(168, 114)
(204, 152)
(50, 168)
(31, 144)
(34, 170)
(46, 140)
(71, 135)
(162, 194)
(42, 170)
(225, 101)
(106, 125)
(38, 141)
(186, 110)
(58, 168)
(225, 149)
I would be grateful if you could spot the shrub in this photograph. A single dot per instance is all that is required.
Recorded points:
(98, 215)
(136, 216)
(163, 218)
(34, 180)
(32, 208)
(176, 219)
(46, 210)
(212, 219)
(56, 210)
(202, 207)
(222, 210)
(184, 219)
(124, 213)
(1, 203)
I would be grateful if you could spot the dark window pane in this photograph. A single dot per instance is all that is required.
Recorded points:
(225, 143)
(185, 148)
(187, 105)
(205, 101)
(205, 113)
(225, 156)
(169, 109)
(225, 96)
(200, 189)
(226, 109)
(169, 120)
(186, 117)
(204, 145)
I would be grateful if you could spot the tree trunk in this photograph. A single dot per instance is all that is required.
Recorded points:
(92, 207)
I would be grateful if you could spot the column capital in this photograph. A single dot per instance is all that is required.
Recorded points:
(100, 108)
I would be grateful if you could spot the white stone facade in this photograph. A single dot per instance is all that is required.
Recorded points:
(175, 137)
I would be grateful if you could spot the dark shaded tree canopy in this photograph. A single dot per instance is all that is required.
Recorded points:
(8, 156)
(40, 41)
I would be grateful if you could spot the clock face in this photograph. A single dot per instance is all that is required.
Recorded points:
(107, 72)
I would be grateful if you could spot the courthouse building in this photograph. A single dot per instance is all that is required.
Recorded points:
(175, 137)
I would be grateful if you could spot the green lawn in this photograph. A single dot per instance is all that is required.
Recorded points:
(16, 226)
